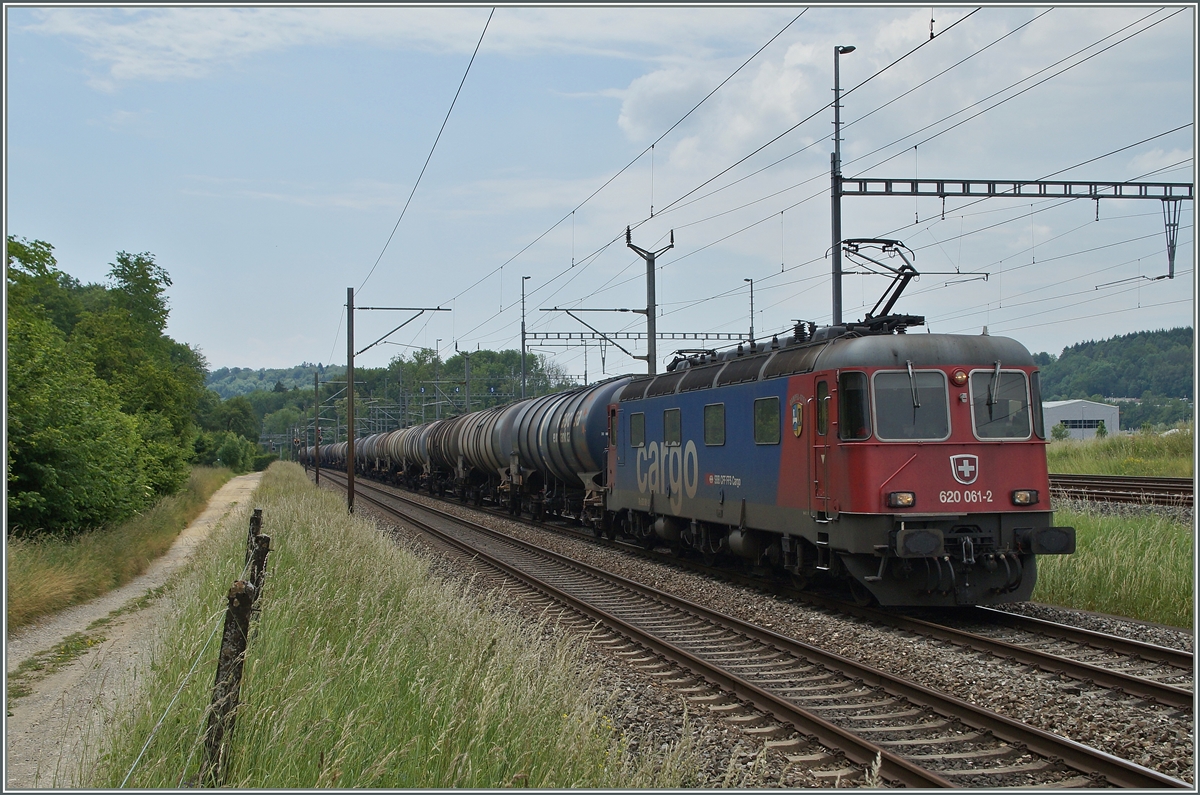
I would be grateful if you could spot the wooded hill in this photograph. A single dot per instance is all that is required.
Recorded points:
(1154, 367)
(233, 381)
(417, 387)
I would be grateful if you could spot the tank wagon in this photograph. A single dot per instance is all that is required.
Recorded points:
(911, 467)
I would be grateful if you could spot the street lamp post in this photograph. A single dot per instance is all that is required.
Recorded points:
(751, 309)
(523, 280)
(835, 174)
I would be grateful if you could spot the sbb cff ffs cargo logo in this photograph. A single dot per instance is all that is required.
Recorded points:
(965, 468)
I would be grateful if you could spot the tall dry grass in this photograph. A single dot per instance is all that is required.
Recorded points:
(1146, 454)
(364, 670)
(48, 574)
(1138, 567)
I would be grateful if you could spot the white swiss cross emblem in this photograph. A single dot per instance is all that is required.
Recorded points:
(965, 468)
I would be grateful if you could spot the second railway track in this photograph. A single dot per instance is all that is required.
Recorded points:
(924, 738)
(1125, 489)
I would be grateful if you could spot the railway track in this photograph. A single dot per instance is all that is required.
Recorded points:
(1118, 488)
(1155, 673)
(921, 737)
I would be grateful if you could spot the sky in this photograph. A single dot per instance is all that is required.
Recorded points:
(267, 156)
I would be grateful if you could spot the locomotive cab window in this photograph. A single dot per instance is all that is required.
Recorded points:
(854, 420)
(612, 430)
(911, 405)
(637, 430)
(714, 424)
(766, 421)
(672, 433)
(1000, 404)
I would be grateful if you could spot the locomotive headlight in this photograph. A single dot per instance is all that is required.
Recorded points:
(959, 378)
(1025, 497)
(901, 499)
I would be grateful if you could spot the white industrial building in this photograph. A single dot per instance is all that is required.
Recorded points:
(1081, 417)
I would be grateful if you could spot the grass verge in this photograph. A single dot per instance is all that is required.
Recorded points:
(1138, 567)
(1139, 454)
(364, 670)
(48, 574)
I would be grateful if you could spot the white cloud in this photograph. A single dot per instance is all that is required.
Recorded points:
(1155, 159)
(181, 43)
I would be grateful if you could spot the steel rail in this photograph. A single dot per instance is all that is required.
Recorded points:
(1098, 640)
(1169, 695)
(1082, 758)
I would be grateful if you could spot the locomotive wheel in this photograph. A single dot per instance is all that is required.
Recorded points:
(862, 596)
(799, 581)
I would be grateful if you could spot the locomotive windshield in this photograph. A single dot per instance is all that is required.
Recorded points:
(1000, 404)
(911, 406)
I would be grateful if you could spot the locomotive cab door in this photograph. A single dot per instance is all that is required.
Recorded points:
(822, 449)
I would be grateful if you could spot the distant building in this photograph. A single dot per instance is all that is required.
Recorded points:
(1081, 417)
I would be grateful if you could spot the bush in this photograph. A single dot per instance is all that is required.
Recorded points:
(227, 449)
(265, 460)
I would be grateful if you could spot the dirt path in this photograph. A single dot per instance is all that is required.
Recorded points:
(46, 730)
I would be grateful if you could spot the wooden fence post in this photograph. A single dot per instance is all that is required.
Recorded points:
(255, 529)
(228, 683)
(258, 565)
(232, 657)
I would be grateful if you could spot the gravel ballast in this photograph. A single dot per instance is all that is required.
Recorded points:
(1154, 736)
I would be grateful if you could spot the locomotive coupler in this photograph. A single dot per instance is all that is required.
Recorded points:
(968, 550)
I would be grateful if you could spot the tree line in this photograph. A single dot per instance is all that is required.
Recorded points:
(106, 413)
(408, 391)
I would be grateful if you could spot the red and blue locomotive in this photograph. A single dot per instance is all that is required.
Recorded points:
(912, 466)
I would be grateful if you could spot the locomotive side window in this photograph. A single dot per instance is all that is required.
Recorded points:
(911, 405)
(714, 424)
(672, 433)
(1000, 404)
(612, 430)
(854, 420)
(766, 421)
(822, 408)
(637, 430)
(1039, 420)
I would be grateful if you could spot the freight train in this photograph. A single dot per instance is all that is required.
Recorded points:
(910, 467)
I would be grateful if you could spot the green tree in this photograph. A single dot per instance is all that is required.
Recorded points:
(34, 280)
(1059, 432)
(114, 335)
(1101, 431)
(73, 456)
(139, 287)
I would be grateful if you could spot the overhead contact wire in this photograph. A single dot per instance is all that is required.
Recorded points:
(619, 173)
(431, 150)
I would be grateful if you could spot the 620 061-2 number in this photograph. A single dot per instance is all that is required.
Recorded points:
(965, 496)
